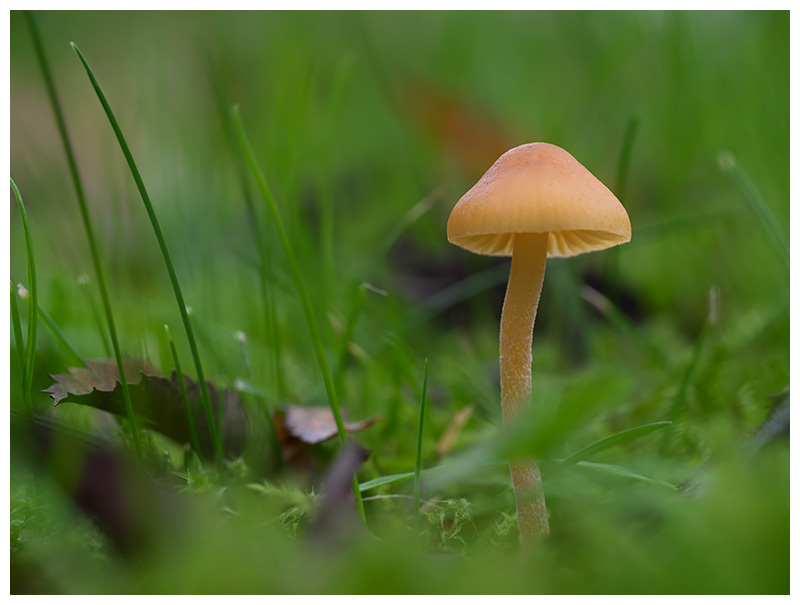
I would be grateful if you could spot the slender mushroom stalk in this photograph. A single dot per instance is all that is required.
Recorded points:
(516, 335)
(535, 201)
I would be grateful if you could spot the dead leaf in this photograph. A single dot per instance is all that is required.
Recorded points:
(299, 427)
(317, 424)
(99, 374)
(155, 398)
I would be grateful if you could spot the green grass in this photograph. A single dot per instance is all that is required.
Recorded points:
(71, 355)
(420, 432)
(653, 363)
(19, 339)
(87, 222)
(213, 423)
(182, 383)
(33, 315)
(302, 290)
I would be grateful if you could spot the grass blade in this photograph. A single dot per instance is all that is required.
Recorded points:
(325, 186)
(623, 472)
(622, 323)
(30, 345)
(212, 424)
(256, 228)
(53, 327)
(625, 157)
(460, 291)
(419, 445)
(610, 441)
(297, 275)
(678, 405)
(389, 479)
(62, 340)
(18, 338)
(386, 480)
(612, 255)
(305, 299)
(83, 281)
(189, 413)
(757, 203)
(412, 216)
(73, 168)
(456, 467)
(682, 226)
(222, 104)
(347, 336)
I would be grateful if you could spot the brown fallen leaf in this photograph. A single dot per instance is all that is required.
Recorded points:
(99, 374)
(317, 424)
(155, 398)
(299, 427)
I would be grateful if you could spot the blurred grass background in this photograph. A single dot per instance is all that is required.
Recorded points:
(382, 120)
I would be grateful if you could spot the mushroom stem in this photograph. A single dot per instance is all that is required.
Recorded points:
(516, 336)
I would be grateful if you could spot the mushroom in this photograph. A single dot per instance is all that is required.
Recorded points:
(535, 201)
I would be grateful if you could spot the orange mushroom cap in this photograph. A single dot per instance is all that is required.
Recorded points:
(538, 188)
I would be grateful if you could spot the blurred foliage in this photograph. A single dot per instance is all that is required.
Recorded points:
(380, 121)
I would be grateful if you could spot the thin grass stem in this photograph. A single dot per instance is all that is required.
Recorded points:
(325, 182)
(30, 345)
(625, 157)
(222, 105)
(418, 466)
(347, 336)
(274, 337)
(297, 275)
(93, 249)
(612, 255)
(18, 338)
(352, 318)
(600, 445)
(679, 401)
(54, 329)
(265, 264)
(189, 412)
(621, 322)
(305, 299)
(215, 435)
(756, 201)
(84, 283)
